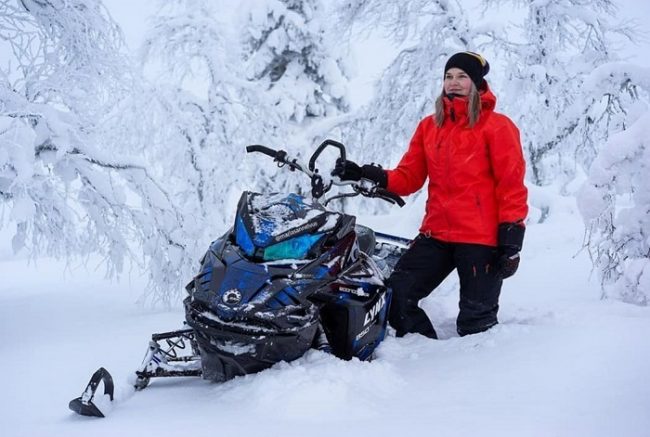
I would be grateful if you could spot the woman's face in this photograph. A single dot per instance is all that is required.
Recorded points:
(457, 82)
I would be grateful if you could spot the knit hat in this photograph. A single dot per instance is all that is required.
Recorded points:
(471, 63)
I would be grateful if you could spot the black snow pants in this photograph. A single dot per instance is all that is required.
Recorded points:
(425, 265)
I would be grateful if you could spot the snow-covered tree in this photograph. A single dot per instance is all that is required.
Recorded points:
(211, 112)
(615, 204)
(216, 104)
(289, 52)
(72, 121)
(564, 114)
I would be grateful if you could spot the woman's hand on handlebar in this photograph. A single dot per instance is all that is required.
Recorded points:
(350, 171)
(347, 170)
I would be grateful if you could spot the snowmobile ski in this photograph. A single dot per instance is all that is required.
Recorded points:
(84, 404)
(169, 354)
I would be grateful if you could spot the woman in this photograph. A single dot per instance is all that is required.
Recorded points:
(475, 211)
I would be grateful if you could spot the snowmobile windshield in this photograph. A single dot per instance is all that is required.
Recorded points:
(281, 226)
(293, 248)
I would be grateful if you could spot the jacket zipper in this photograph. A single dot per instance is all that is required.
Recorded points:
(450, 136)
(452, 117)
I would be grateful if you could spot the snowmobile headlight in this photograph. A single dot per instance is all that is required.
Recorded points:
(293, 248)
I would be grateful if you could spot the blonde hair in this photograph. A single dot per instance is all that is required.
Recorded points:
(473, 107)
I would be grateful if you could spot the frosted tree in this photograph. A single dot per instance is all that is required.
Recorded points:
(70, 127)
(213, 112)
(289, 52)
(564, 114)
(615, 202)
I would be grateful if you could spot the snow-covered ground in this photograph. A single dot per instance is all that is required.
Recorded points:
(561, 363)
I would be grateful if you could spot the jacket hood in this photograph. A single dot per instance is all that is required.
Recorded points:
(459, 104)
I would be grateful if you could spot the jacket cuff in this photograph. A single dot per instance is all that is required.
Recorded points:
(511, 235)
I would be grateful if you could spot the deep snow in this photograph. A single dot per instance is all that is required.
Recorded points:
(562, 362)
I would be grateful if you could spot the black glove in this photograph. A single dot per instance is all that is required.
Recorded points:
(350, 171)
(347, 170)
(508, 262)
(509, 240)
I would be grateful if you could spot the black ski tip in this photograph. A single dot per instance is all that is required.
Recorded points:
(84, 404)
(85, 409)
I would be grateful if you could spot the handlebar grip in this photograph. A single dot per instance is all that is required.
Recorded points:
(262, 149)
(391, 197)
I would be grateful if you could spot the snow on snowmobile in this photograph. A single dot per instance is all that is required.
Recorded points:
(290, 275)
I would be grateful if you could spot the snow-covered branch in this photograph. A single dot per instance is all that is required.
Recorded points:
(72, 132)
(615, 204)
(288, 54)
(563, 104)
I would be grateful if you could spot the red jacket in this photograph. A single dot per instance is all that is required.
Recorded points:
(476, 175)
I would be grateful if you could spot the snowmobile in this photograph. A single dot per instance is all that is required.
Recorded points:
(289, 275)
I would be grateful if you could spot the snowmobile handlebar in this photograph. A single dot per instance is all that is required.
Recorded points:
(280, 156)
(390, 197)
(261, 149)
(318, 185)
(319, 150)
